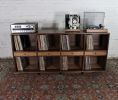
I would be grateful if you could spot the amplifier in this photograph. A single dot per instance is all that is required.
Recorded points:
(24, 28)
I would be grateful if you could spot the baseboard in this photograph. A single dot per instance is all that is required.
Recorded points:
(6, 58)
(112, 58)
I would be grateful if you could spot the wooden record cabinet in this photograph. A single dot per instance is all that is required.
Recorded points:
(60, 51)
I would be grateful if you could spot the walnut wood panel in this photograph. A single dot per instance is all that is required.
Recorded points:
(23, 54)
(95, 53)
(54, 53)
(74, 53)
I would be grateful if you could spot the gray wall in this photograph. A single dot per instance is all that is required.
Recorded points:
(48, 11)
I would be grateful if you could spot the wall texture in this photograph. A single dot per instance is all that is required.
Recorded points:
(49, 11)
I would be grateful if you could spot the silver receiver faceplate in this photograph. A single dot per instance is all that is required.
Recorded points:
(24, 28)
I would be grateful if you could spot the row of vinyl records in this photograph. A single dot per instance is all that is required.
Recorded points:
(22, 42)
(89, 46)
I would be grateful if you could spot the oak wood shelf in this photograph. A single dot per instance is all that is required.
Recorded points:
(24, 53)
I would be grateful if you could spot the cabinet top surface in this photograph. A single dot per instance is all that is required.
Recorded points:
(52, 31)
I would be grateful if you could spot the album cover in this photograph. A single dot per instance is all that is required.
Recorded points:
(72, 21)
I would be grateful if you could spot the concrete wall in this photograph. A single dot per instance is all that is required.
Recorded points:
(48, 11)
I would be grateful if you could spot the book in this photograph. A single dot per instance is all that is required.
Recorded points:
(18, 59)
(64, 61)
(42, 45)
(89, 46)
(90, 62)
(87, 63)
(19, 42)
(16, 43)
(43, 42)
(19, 64)
(65, 45)
(89, 42)
(42, 63)
(22, 42)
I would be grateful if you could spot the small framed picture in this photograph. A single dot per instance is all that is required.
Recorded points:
(72, 21)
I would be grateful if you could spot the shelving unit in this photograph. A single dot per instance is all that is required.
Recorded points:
(58, 57)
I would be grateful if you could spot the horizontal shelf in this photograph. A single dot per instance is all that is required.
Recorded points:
(72, 53)
(95, 33)
(53, 69)
(58, 71)
(74, 67)
(62, 53)
(23, 33)
(50, 31)
(35, 53)
(89, 71)
(95, 67)
(48, 71)
(25, 53)
(63, 33)
(72, 30)
(48, 53)
(96, 53)
(66, 31)
(38, 71)
(53, 53)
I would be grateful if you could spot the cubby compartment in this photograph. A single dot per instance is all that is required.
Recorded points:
(94, 63)
(96, 41)
(71, 63)
(27, 63)
(24, 42)
(48, 42)
(72, 42)
(49, 63)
